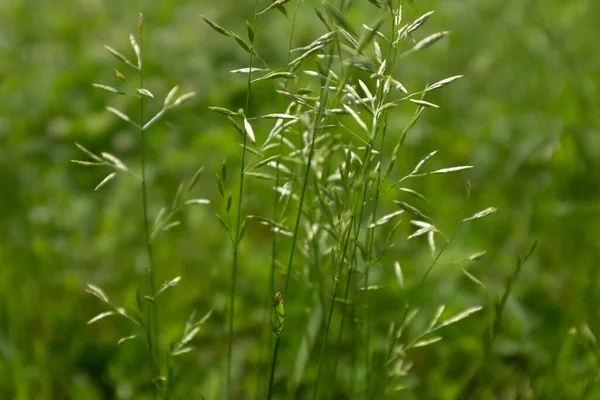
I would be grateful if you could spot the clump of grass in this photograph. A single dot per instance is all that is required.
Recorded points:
(339, 198)
(331, 159)
(144, 315)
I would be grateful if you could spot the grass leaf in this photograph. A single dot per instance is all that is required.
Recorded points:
(120, 57)
(399, 274)
(424, 103)
(249, 131)
(145, 92)
(216, 27)
(100, 316)
(426, 342)
(105, 181)
(169, 284)
(96, 291)
(122, 115)
(482, 213)
(462, 315)
(107, 88)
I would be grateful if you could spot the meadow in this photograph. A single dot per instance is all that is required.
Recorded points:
(338, 199)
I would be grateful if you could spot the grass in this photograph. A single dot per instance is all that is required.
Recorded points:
(368, 246)
(347, 182)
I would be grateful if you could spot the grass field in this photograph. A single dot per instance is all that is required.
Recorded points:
(299, 200)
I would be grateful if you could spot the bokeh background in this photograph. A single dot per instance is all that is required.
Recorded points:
(525, 115)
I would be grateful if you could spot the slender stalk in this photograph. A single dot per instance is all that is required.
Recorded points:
(342, 255)
(152, 327)
(277, 172)
(426, 274)
(239, 213)
(273, 364)
(276, 210)
(392, 53)
(315, 127)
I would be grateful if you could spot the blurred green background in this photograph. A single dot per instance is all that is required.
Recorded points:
(526, 115)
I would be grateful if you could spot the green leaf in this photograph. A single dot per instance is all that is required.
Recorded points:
(89, 153)
(105, 180)
(385, 219)
(224, 170)
(412, 123)
(169, 284)
(339, 18)
(422, 231)
(243, 44)
(137, 50)
(204, 318)
(417, 23)
(250, 31)
(436, 316)
(281, 116)
(274, 75)
(414, 193)
(423, 162)
(269, 222)
(100, 316)
(96, 291)
(107, 88)
(183, 98)
(426, 342)
(222, 221)
(195, 179)
(399, 274)
(122, 115)
(145, 92)
(216, 27)
(120, 57)
(358, 120)
(424, 103)
(478, 255)
(182, 350)
(223, 111)
(473, 278)
(276, 4)
(88, 163)
(462, 315)
(128, 338)
(429, 40)
(170, 96)
(171, 225)
(451, 169)
(248, 70)
(372, 288)
(443, 82)
(249, 130)
(481, 214)
(197, 201)
(189, 336)
(411, 209)
(260, 175)
(114, 161)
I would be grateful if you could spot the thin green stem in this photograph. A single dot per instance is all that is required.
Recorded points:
(392, 53)
(152, 327)
(426, 274)
(238, 225)
(342, 256)
(273, 364)
(313, 132)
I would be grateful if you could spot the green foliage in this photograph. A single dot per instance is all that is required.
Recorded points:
(354, 131)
